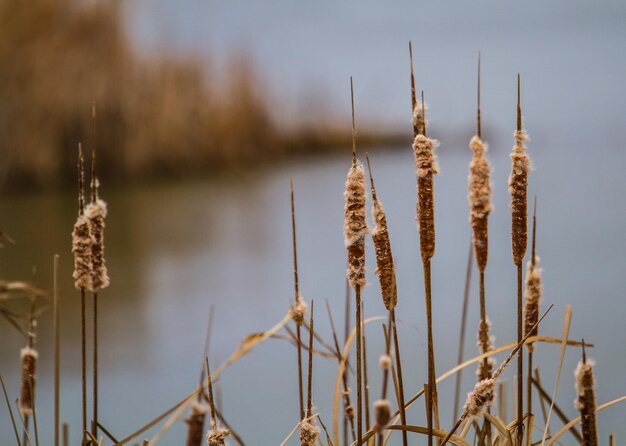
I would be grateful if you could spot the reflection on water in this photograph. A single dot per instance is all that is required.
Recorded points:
(173, 250)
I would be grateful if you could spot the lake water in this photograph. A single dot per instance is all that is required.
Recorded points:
(174, 250)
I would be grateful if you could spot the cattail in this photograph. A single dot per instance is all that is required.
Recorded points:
(479, 198)
(96, 213)
(384, 261)
(534, 291)
(485, 343)
(382, 413)
(309, 433)
(479, 399)
(217, 435)
(586, 401)
(518, 188)
(196, 424)
(384, 362)
(82, 241)
(355, 226)
(298, 311)
(29, 362)
(426, 166)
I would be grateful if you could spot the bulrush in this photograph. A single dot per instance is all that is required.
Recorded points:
(82, 240)
(196, 424)
(96, 212)
(355, 226)
(479, 198)
(217, 435)
(485, 343)
(534, 290)
(425, 167)
(586, 400)
(29, 363)
(355, 229)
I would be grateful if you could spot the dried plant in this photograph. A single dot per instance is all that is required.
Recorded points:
(195, 432)
(586, 400)
(29, 363)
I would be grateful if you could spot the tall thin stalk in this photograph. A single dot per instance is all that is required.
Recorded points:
(57, 349)
(518, 188)
(355, 229)
(297, 300)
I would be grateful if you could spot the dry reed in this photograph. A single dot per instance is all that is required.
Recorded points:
(518, 189)
(29, 363)
(195, 432)
(586, 400)
(355, 229)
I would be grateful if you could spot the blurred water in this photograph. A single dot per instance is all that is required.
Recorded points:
(173, 250)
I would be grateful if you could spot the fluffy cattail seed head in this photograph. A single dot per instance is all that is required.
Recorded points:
(534, 291)
(29, 362)
(586, 401)
(309, 433)
(426, 166)
(385, 269)
(217, 435)
(382, 413)
(355, 226)
(82, 241)
(384, 362)
(485, 343)
(195, 422)
(96, 213)
(298, 311)
(479, 198)
(518, 188)
(479, 399)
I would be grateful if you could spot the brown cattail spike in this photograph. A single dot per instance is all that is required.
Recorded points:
(518, 188)
(29, 364)
(96, 212)
(485, 344)
(382, 413)
(586, 401)
(479, 399)
(479, 198)
(217, 435)
(426, 166)
(195, 431)
(534, 290)
(309, 433)
(385, 269)
(355, 225)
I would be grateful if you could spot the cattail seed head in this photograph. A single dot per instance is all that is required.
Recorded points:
(298, 311)
(82, 241)
(479, 198)
(355, 226)
(385, 269)
(96, 213)
(309, 433)
(195, 422)
(518, 188)
(586, 401)
(534, 291)
(485, 344)
(216, 436)
(426, 166)
(479, 399)
(382, 413)
(29, 362)
(384, 362)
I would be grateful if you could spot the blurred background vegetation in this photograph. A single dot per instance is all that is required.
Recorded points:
(162, 114)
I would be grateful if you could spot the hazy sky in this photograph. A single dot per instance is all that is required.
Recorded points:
(571, 54)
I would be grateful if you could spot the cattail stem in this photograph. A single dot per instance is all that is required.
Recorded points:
(57, 349)
(359, 382)
(366, 393)
(94, 423)
(459, 360)
(297, 296)
(520, 360)
(83, 345)
(393, 329)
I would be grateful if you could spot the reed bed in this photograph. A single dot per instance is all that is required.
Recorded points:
(310, 425)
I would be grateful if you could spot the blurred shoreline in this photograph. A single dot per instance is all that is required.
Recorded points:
(165, 115)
